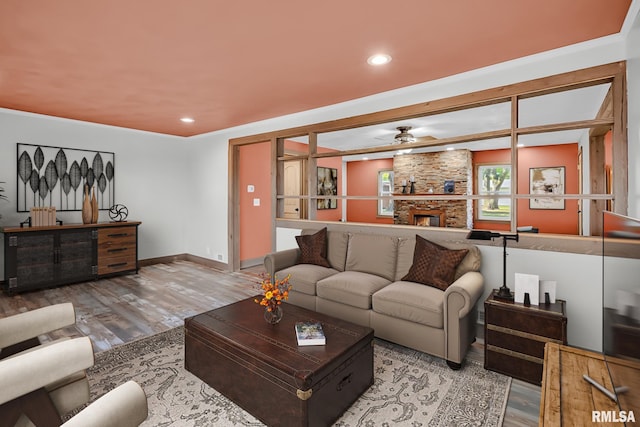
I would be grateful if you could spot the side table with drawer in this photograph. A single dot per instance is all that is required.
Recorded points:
(515, 336)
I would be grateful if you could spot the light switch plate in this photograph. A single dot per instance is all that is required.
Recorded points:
(256, 202)
(250, 188)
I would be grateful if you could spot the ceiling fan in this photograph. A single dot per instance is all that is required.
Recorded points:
(405, 137)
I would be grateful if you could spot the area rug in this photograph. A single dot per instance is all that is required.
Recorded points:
(410, 389)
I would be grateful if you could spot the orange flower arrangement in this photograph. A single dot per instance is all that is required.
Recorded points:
(274, 292)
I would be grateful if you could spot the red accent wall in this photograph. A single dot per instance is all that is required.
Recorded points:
(255, 221)
(363, 181)
(547, 221)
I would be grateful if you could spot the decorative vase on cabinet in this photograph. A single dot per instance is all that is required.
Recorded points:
(87, 214)
(94, 206)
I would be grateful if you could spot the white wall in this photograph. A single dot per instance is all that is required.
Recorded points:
(149, 175)
(207, 213)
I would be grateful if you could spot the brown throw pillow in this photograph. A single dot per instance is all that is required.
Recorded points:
(313, 248)
(434, 265)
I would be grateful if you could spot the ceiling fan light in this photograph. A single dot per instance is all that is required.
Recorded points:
(404, 136)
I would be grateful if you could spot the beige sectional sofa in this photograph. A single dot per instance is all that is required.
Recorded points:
(362, 282)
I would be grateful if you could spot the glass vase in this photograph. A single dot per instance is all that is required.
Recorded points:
(274, 316)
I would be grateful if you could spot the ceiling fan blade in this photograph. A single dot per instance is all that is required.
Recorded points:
(425, 138)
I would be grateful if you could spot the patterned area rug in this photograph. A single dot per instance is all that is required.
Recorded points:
(410, 389)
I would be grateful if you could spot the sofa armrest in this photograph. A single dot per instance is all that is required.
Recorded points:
(124, 406)
(463, 294)
(460, 314)
(24, 326)
(24, 373)
(276, 261)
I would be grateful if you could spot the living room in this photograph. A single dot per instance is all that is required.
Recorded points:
(178, 187)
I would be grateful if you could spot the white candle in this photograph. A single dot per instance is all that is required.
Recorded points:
(412, 179)
(404, 182)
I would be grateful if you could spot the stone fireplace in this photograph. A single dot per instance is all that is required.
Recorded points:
(430, 171)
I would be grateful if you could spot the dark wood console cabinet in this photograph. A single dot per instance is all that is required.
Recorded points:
(42, 257)
(515, 336)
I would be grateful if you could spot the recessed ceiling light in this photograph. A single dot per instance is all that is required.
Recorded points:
(379, 59)
(450, 148)
(187, 120)
(365, 158)
(520, 145)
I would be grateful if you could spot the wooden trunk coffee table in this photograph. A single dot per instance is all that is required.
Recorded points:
(261, 368)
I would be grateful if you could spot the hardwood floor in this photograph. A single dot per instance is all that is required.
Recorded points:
(121, 309)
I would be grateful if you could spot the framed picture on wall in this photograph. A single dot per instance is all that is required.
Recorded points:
(56, 176)
(546, 181)
(327, 186)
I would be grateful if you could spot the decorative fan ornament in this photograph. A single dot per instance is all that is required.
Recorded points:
(118, 213)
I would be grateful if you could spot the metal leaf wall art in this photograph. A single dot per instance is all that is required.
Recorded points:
(52, 176)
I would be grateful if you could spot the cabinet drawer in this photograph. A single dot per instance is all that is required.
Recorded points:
(116, 234)
(108, 250)
(549, 326)
(116, 264)
(529, 345)
(516, 367)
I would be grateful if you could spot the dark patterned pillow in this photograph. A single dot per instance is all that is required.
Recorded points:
(434, 265)
(313, 248)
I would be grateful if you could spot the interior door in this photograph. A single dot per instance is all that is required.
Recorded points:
(293, 187)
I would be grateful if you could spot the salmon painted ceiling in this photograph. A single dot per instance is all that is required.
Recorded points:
(144, 64)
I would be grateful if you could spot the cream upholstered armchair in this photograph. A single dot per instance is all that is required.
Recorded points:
(20, 334)
(41, 382)
(25, 400)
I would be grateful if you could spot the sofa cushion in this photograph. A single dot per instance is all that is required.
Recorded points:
(406, 249)
(313, 248)
(412, 302)
(337, 242)
(351, 287)
(374, 254)
(434, 265)
(305, 276)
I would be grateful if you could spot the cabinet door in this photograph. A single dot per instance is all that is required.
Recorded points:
(76, 255)
(34, 263)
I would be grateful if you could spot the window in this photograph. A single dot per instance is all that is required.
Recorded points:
(385, 188)
(494, 180)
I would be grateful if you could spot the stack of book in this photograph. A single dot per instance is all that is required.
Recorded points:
(43, 216)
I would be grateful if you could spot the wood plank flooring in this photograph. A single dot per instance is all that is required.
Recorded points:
(121, 309)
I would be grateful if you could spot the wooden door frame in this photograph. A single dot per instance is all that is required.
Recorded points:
(233, 198)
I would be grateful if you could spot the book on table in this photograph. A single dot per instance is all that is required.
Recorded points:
(310, 333)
